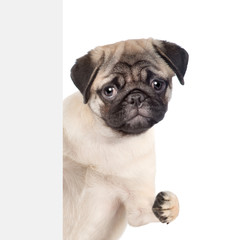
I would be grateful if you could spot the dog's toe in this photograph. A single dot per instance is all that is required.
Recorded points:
(166, 207)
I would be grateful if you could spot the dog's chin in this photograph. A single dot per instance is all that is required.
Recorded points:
(136, 125)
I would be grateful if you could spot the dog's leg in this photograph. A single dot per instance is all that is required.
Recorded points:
(100, 214)
(143, 209)
(139, 209)
(97, 216)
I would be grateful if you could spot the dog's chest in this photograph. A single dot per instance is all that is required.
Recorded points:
(122, 157)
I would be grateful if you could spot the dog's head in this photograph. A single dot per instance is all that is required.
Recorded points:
(128, 84)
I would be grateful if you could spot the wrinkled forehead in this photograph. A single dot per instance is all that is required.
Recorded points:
(129, 60)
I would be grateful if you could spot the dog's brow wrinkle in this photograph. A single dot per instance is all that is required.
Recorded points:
(120, 66)
(142, 62)
(131, 70)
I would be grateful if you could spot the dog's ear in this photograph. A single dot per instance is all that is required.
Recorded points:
(83, 74)
(175, 56)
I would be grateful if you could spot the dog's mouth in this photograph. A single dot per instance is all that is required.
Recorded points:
(139, 122)
(138, 113)
(138, 118)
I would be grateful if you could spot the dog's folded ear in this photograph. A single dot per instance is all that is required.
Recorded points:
(83, 74)
(175, 56)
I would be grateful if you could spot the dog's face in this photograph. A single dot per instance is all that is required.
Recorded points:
(128, 84)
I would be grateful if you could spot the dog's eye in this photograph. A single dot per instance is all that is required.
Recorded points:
(158, 85)
(109, 91)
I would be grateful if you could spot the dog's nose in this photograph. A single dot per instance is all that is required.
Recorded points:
(136, 98)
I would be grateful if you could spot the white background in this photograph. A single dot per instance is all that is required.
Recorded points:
(195, 141)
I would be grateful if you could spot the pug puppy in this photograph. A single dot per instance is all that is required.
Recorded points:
(109, 157)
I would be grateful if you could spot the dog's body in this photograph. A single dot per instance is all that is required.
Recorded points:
(97, 187)
(109, 168)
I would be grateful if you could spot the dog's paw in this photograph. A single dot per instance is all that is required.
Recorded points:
(166, 207)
